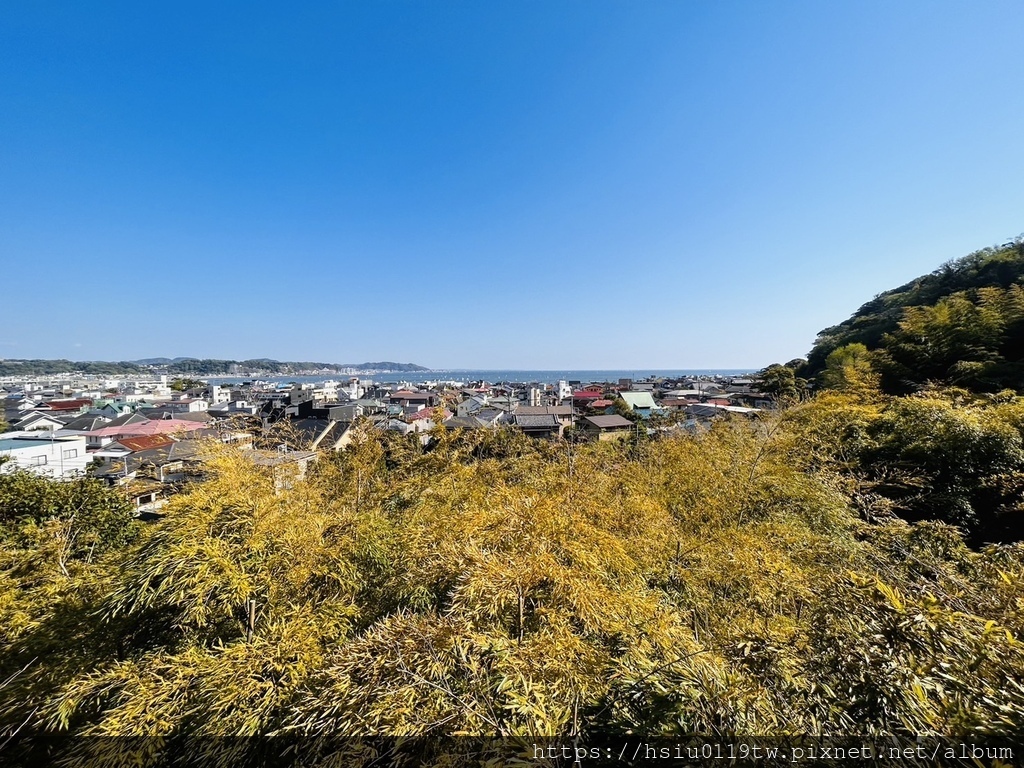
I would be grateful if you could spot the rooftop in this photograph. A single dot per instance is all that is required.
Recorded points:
(155, 427)
(16, 440)
(536, 421)
(609, 422)
(145, 442)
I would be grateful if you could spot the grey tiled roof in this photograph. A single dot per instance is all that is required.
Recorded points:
(87, 423)
(535, 410)
(536, 421)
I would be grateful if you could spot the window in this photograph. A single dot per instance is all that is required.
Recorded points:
(70, 453)
(39, 460)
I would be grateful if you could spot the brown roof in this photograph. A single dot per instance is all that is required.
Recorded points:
(407, 395)
(145, 442)
(608, 422)
(427, 413)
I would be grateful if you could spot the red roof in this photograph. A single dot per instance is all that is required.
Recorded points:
(587, 394)
(427, 413)
(601, 403)
(66, 405)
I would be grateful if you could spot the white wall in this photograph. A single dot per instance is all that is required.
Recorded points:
(63, 457)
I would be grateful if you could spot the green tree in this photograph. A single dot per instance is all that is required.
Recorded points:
(186, 383)
(850, 369)
(959, 462)
(622, 408)
(87, 517)
(782, 382)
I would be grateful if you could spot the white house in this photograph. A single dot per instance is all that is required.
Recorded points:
(38, 421)
(58, 457)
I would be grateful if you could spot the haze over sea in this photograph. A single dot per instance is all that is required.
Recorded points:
(496, 376)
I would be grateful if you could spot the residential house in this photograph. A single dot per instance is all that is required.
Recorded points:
(113, 410)
(152, 471)
(563, 413)
(601, 428)
(84, 424)
(712, 410)
(71, 407)
(16, 407)
(424, 421)
(184, 405)
(414, 400)
(582, 397)
(135, 425)
(125, 446)
(641, 403)
(544, 425)
(36, 421)
(61, 458)
(491, 417)
(471, 405)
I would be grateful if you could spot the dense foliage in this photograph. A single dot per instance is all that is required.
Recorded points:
(961, 325)
(749, 579)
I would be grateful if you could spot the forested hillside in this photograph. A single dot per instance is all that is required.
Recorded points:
(749, 580)
(961, 325)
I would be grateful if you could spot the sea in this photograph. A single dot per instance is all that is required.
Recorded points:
(464, 376)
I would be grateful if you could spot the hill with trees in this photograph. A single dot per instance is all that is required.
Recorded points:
(961, 325)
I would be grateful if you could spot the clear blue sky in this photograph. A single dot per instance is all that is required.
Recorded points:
(492, 184)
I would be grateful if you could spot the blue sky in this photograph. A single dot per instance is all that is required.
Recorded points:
(501, 184)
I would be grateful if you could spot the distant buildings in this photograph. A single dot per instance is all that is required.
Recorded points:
(144, 438)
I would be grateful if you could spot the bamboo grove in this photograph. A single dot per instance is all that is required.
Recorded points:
(787, 575)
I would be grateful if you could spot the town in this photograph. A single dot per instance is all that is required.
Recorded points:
(144, 435)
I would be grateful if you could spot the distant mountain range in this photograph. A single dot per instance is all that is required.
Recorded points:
(161, 360)
(193, 366)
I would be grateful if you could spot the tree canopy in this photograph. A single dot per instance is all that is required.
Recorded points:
(961, 325)
(748, 579)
